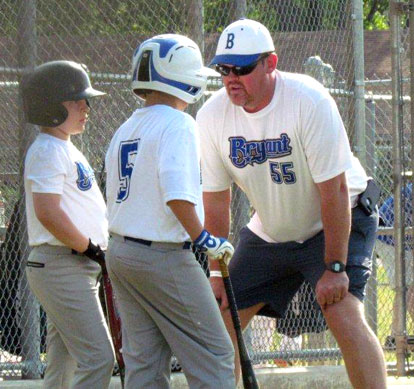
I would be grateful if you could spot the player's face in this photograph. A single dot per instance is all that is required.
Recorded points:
(78, 112)
(252, 91)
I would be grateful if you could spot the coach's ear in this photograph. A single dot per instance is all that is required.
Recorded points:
(271, 62)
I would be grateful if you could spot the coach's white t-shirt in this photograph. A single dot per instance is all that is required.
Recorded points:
(53, 165)
(153, 158)
(277, 155)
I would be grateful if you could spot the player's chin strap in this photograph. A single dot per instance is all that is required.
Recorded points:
(95, 253)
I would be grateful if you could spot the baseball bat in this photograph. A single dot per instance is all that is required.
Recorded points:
(114, 322)
(249, 378)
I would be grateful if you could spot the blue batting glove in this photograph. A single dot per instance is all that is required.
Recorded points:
(214, 247)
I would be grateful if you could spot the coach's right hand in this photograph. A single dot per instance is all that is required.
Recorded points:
(214, 247)
(219, 291)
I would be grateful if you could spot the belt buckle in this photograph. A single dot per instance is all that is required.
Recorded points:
(186, 245)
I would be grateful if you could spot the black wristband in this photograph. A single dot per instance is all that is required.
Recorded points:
(95, 253)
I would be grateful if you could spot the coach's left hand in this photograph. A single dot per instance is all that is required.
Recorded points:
(331, 288)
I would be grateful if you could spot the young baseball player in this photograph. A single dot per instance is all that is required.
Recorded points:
(155, 210)
(67, 227)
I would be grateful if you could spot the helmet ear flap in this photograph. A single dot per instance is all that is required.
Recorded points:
(56, 115)
(50, 115)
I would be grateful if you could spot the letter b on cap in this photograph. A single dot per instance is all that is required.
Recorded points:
(230, 41)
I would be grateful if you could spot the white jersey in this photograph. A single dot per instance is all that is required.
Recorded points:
(277, 155)
(56, 166)
(153, 158)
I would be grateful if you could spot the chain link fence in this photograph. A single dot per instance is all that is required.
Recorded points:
(321, 38)
(380, 140)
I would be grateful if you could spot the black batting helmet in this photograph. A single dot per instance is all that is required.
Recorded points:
(45, 88)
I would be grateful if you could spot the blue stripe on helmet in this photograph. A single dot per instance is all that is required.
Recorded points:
(155, 76)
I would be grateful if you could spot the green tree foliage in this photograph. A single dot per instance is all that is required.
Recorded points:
(145, 18)
(286, 15)
(376, 14)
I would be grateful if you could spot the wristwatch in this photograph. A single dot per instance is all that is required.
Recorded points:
(335, 266)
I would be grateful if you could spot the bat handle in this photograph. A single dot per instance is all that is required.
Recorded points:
(223, 262)
(249, 378)
(103, 267)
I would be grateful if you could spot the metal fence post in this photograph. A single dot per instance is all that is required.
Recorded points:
(370, 130)
(359, 86)
(196, 14)
(371, 302)
(411, 26)
(397, 104)
(29, 307)
(240, 8)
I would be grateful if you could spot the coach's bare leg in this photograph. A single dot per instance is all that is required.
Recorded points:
(245, 316)
(360, 347)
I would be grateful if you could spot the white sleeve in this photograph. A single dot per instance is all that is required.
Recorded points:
(214, 173)
(326, 143)
(179, 162)
(47, 170)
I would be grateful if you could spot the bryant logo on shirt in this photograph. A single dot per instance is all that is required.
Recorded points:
(243, 153)
(86, 176)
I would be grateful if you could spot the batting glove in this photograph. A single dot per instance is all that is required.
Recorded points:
(95, 253)
(212, 246)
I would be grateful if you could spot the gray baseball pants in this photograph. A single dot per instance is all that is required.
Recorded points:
(167, 306)
(79, 348)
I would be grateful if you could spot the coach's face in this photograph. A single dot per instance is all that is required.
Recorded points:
(252, 91)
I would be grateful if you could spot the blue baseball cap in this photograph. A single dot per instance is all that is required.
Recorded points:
(242, 43)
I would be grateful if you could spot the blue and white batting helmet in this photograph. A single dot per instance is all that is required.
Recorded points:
(172, 64)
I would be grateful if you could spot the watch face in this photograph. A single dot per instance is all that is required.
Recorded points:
(336, 267)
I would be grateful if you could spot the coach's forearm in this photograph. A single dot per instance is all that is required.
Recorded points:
(217, 212)
(336, 218)
(217, 216)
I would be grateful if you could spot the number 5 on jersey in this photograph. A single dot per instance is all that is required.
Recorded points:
(126, 159)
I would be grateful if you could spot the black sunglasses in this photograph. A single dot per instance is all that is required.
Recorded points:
(239, 70)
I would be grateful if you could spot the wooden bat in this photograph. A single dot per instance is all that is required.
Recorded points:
(114, 322)
(249, 378)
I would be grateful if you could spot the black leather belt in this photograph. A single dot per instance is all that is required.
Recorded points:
(186, 245)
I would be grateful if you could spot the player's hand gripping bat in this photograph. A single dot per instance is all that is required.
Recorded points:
(114, 322)
(249, 378)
